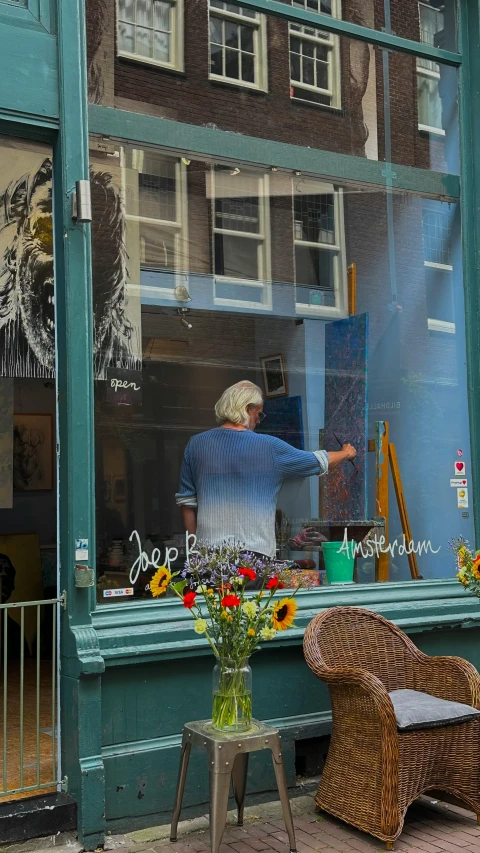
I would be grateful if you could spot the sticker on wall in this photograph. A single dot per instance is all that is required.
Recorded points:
(459, 452)
(460, 469)
(81, 549)
(110, 593)
(462, 498)
(457, 482)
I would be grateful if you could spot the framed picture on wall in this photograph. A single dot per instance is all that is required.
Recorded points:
(33, 461)
(274, 376)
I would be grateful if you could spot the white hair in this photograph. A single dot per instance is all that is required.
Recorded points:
(233, 404)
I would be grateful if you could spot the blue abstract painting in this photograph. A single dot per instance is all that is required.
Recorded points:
(284, 420)
(346, 355)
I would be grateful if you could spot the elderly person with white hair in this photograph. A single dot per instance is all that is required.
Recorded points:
(231, 476)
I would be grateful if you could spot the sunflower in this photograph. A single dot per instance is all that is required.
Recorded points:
(160, 581)
(476, 571)
(284, 614)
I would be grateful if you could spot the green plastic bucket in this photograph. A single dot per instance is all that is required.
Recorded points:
(339, 562)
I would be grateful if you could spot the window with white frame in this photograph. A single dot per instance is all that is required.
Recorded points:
(241, 237)
(319, 246)
(238, 50)
(154, 188)
(428, 72)
(315, 57)
(151, 31)
(437, 240)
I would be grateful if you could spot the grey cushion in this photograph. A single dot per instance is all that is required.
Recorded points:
(417, 710)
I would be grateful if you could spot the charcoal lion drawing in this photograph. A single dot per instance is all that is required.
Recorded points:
(27, 328)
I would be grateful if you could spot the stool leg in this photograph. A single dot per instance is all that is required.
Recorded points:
(182, 777)
(283, 792)
(219, 793)
(239, 780)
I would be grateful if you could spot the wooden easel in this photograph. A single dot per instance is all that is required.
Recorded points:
(385, 453)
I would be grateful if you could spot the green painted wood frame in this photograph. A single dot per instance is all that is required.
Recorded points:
(35, 14)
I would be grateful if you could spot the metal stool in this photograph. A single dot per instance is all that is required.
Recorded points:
(227, 755)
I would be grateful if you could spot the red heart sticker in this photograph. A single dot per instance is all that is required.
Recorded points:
(459, 466)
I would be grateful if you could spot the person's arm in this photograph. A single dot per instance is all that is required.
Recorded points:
(336, 457)
(186, 496)
(189, 518)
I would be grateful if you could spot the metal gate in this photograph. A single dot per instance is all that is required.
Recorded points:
(29, 697)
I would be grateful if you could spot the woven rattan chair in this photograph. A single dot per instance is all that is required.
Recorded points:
(373, 772)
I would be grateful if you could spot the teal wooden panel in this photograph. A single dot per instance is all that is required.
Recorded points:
(223, 145)
(28, 71)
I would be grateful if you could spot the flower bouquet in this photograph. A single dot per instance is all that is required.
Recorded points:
(468, 564)
(213, 587)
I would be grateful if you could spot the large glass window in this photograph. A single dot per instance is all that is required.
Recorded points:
(428, 72)
(341, 302)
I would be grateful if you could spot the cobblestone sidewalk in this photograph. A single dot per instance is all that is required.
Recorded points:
(431, 827)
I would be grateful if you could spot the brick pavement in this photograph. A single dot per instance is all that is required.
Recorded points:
(430, 827)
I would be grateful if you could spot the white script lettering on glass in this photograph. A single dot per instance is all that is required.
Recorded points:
(375, 547)
(122, 383)
(144, 562)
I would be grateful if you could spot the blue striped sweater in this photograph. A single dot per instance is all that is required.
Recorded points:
(233, 477)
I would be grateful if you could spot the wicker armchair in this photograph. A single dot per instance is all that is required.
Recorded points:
(373, 772)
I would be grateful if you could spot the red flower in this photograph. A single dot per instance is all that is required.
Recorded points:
(274, 583)
(189, 599)
(247, 573)
(230, 601)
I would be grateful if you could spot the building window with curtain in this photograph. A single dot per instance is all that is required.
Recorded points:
(151, 31)
(315, 58)
(238, 50)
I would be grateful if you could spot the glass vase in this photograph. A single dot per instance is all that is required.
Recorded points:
(232, 695)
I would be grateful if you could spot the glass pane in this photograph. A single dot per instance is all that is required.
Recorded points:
(126, 37)
(261, 263)
(145, 13)
(162, 47)
(236, 257)
(231, 34)
(216, 30)
(143, 41)
(216, 60)
(126, 10)
(246, 39)
(232, 64)
(162, 16)
(248, 68)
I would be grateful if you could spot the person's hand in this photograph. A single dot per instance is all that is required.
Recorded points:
(349, 451)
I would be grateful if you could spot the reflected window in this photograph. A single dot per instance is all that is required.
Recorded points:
(319, 244)
(151, 31)
(241, 233)
(155, 212)
(315, 58)
(428, 72)
(437, 243)
(238, 52)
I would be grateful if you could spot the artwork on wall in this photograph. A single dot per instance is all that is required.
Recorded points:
(6, 443)
(27, 310)
(33, 468)
(283, 419)
(346, 359)
(274, 376)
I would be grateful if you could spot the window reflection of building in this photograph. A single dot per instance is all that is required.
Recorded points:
(437, 237)
(428, 72)
(315, 57)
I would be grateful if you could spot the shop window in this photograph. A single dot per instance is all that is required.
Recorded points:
(238, 52)
(315, 58)
(151, 31)
(428, 71)
(241, 236)
(437, 243)
(319, 247)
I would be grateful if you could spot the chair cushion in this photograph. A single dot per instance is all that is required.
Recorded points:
(417, 710)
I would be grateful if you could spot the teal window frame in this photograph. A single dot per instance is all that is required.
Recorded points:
(34, 14)
(229, 147)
